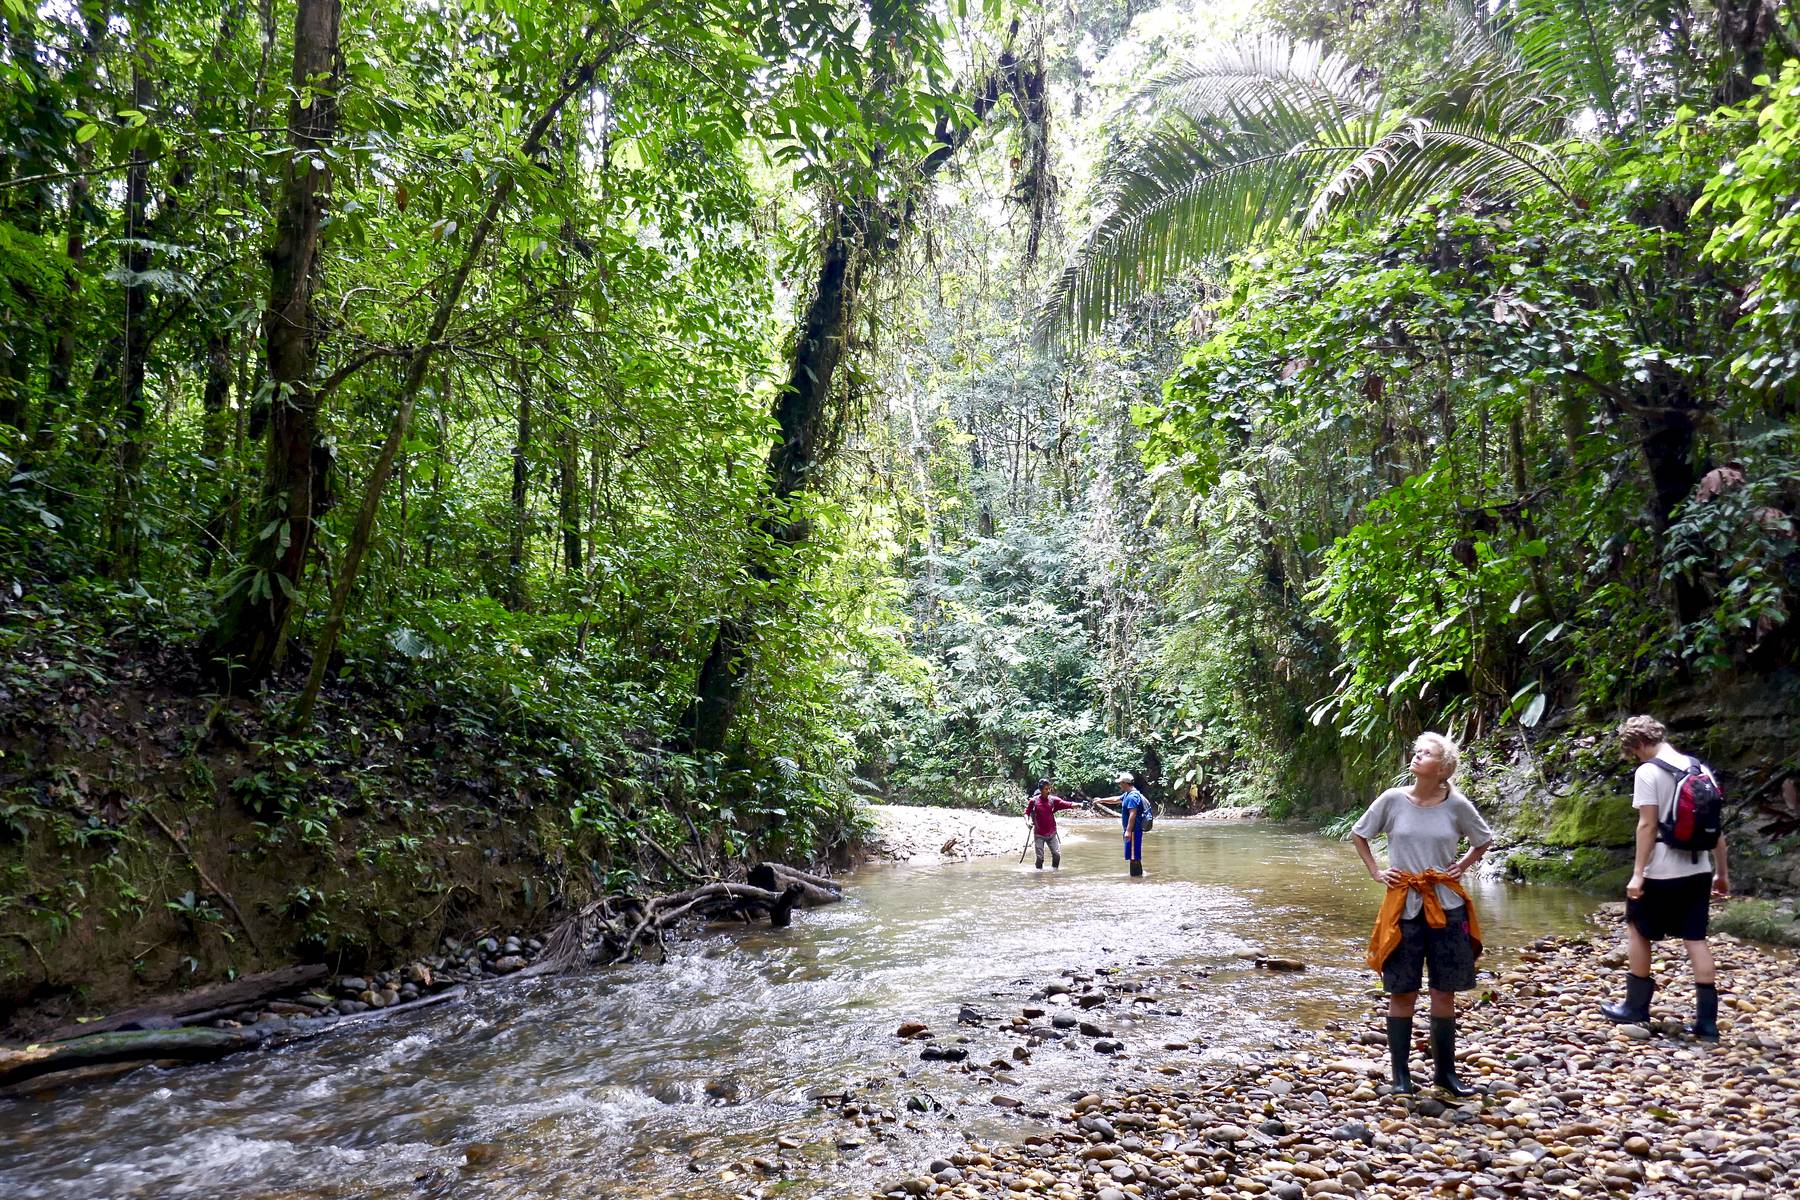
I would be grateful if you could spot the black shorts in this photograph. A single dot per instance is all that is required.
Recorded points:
(1450, 953)
(1673, 908)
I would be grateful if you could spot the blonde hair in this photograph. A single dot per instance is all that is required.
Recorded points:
(1446, 751)
(1641, 731)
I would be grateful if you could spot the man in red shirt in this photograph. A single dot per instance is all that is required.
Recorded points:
(1041, 809)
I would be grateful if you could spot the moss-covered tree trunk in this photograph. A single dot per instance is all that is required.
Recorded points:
(855, 236)
(252, 632)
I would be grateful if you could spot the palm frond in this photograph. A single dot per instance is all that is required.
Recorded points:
(1270, 135)
(1239, 75)
(1182, 202)
(1568, 45)
(1423, 158)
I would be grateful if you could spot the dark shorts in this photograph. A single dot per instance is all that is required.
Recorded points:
(1449, 952)
(1134, 845)
(1672, 908)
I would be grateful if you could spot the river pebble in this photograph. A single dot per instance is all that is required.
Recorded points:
(1570, 1105)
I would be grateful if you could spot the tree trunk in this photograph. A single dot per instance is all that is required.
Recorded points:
(134, 257)
(1745, 27)
(578, 76)
(801, 411)
(62, 349)
(1540, 583)
(1667, 418)
(515, 549)
(252, 633)
(568, 506)
(854, 239)
(214, 422)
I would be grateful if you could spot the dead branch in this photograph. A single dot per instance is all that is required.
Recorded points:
(223, 895)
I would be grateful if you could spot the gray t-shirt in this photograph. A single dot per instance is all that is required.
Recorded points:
(1421, 838)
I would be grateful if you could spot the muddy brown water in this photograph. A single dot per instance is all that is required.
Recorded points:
(664, 1080)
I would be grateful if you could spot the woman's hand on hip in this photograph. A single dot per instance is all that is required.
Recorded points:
(1389, 877)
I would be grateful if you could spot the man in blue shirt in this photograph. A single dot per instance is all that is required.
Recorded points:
(1132, 807)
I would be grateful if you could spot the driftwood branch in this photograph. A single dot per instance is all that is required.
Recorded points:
(610, 930)
(185, 1045)
(619, 928)
(236, 994)
(180, 1045)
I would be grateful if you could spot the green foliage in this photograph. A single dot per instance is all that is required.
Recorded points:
(579, 500)
(1588, 867)
(1765, 921)
(1478, 549)
(1011, 690)
(1758, 230)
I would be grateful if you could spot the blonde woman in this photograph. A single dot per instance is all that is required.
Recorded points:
(1426, 919)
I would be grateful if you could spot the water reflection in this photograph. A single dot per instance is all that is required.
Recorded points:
(662, 1080)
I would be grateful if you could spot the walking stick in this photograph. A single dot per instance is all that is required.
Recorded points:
(1026, 846)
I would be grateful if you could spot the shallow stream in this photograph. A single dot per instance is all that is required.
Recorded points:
(666, 1080)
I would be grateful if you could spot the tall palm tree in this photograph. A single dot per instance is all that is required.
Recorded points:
(1271, 136)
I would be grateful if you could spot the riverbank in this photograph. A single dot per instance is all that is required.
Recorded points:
(914, 834)
(908, 834)
(1573, 1106)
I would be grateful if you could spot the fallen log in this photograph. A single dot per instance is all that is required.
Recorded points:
(75, 1076)
(815, 889)
(234, 994)
(617, 928)
(89, 1057)
(185, 1045)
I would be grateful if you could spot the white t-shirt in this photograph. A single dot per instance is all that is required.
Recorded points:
(1653, 787)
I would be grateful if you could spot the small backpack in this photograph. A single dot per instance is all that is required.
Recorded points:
(1694, 820)
(1146, 815)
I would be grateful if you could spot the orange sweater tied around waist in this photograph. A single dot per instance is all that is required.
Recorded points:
(1387, 922)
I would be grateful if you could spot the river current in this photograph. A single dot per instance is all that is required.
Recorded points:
(666, 1080)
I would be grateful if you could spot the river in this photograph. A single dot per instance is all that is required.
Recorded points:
(664, 1080)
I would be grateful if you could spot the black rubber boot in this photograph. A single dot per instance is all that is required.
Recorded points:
(1056, 862)
(1706, 1012)
(1137, 868)
(1636, 1008)
(1443, 1057)
(1399, 1047)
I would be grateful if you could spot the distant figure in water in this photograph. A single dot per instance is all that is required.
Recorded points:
(1132, 808)
(1041, 811)
(1426, 919)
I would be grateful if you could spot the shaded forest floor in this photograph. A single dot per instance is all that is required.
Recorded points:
(155, 836)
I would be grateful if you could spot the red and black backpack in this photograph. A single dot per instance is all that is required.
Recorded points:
(1693, 822)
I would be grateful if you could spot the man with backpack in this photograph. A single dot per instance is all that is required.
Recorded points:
(1679, 865)
(1135, 817)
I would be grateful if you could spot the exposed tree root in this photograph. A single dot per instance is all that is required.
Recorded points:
(618, 928)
